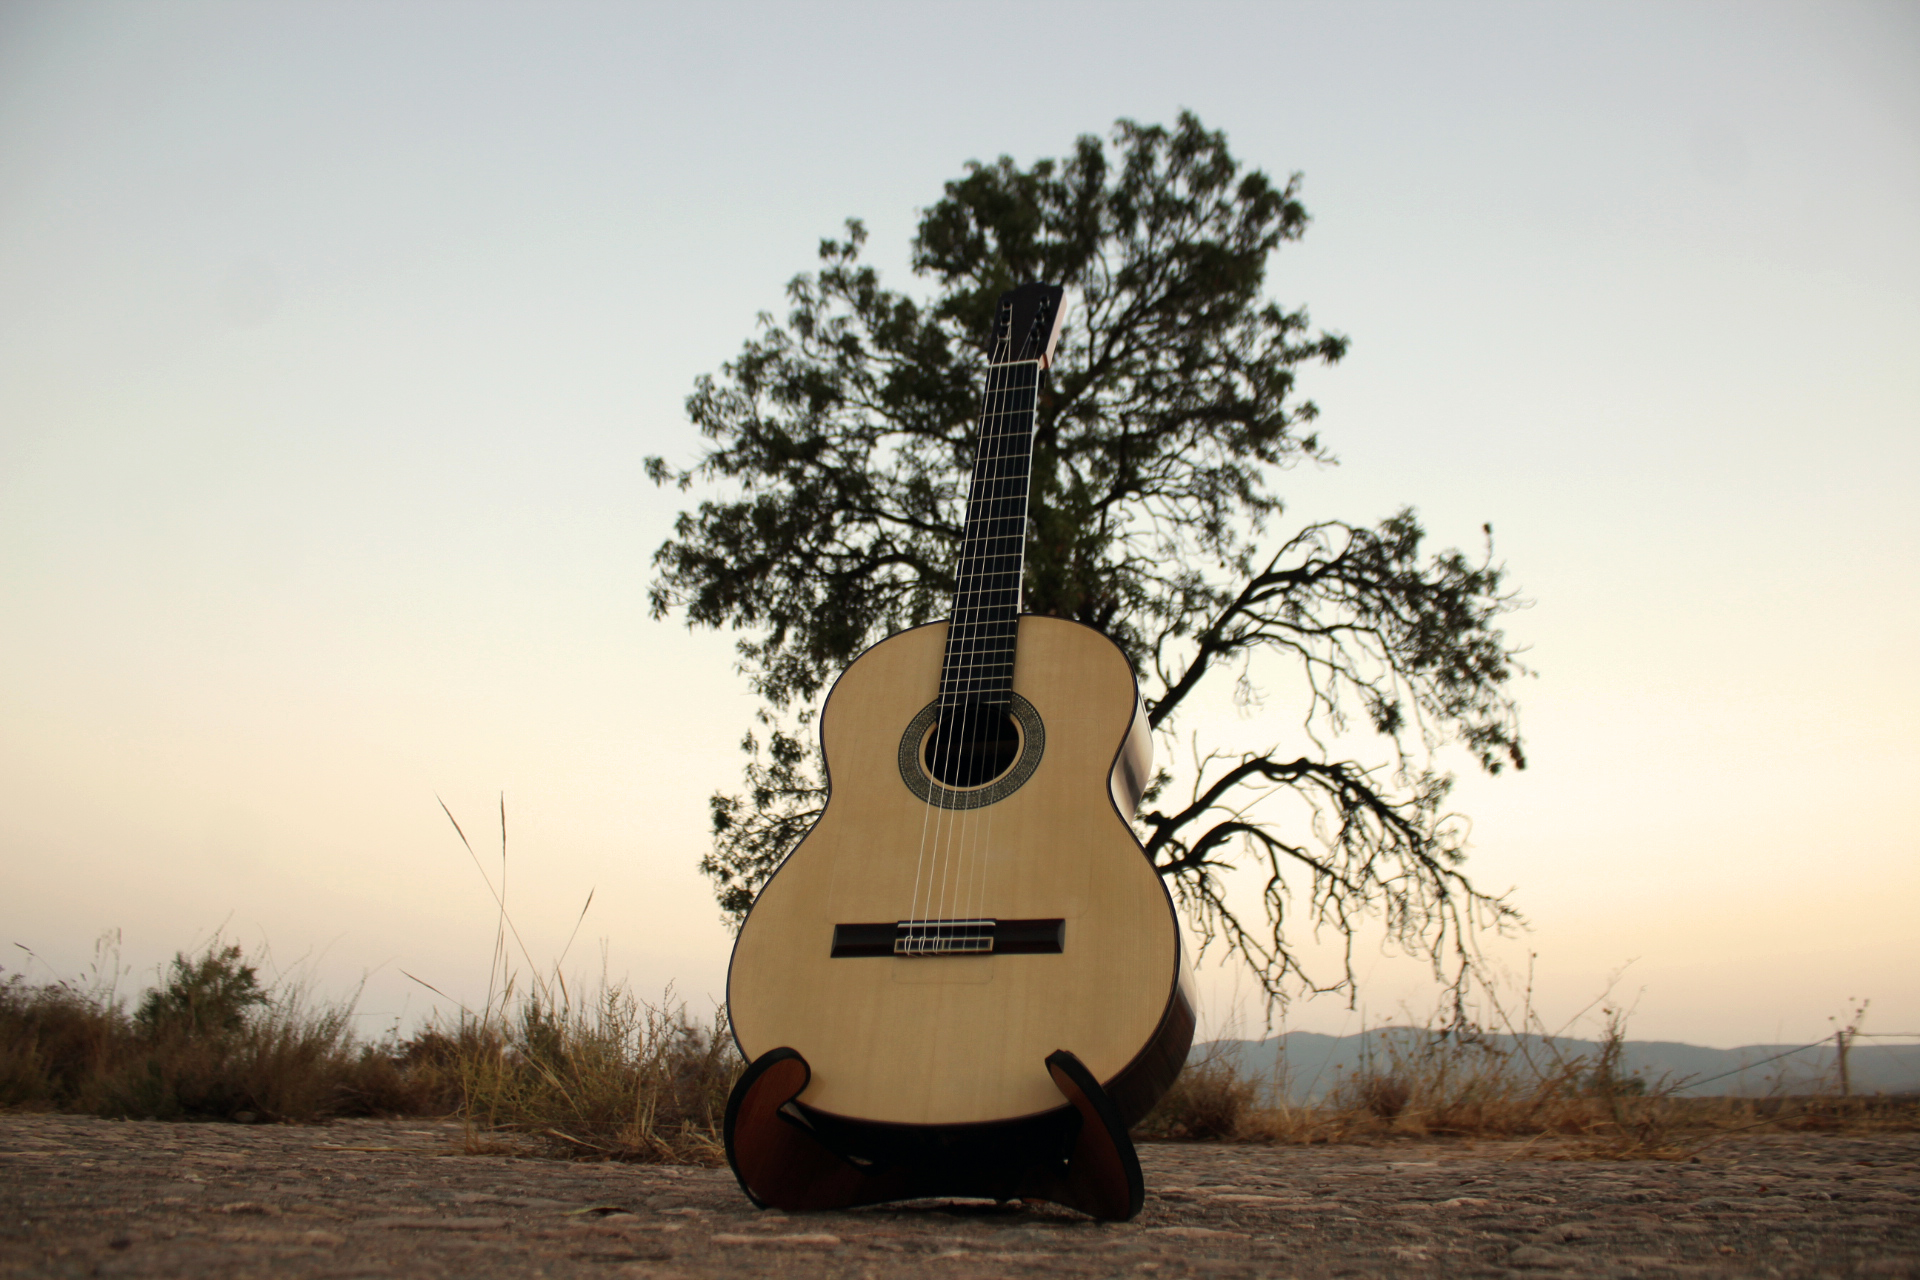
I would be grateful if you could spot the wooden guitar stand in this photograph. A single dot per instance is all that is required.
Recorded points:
(789, 1158)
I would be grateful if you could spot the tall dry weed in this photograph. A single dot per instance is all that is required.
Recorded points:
(611, 1076)
(602, 1074)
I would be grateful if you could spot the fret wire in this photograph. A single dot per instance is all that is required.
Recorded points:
(985, 621)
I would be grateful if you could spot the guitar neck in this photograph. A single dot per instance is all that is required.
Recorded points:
(986, 599)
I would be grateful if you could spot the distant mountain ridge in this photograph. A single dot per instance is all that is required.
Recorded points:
(1309, 1064)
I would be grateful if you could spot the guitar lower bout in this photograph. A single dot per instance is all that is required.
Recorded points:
(927, 946)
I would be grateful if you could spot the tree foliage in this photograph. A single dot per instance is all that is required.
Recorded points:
(840, 446)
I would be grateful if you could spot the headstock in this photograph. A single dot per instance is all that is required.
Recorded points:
(1026, 324)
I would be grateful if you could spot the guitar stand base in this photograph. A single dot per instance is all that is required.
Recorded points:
(1080, 1157)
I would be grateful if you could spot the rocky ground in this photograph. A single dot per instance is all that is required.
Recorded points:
(83, 1197)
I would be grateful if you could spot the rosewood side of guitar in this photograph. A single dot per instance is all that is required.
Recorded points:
(962, 1040)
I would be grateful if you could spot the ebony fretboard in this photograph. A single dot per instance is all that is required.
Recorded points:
(986, 598)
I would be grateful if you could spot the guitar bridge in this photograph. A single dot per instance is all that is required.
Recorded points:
(951, 938)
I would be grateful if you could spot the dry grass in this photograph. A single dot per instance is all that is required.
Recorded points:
(603, 1076)
(206, 1043)
(616, 1078)
(1420, 1083)
(606, 1075)
(1210, 1101)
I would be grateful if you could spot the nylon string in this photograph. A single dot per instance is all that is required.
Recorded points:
(955, 843)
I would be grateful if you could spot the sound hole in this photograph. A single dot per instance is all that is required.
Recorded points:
(972, 745)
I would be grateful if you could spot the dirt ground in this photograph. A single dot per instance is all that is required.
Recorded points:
(86, 1197)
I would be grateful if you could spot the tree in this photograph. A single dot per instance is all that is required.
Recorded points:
(841, 442)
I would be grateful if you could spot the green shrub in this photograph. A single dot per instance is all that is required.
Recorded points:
(209, 995)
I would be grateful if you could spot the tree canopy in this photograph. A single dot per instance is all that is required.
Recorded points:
(841, 441)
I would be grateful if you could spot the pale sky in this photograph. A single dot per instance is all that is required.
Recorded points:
(332, 337)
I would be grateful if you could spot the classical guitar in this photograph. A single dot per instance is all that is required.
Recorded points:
(968, 978)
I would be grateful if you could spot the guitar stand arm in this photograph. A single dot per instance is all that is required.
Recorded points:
(783, 1162)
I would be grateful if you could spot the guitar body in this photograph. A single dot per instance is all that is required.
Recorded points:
(967, 979)
(946, 1040)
